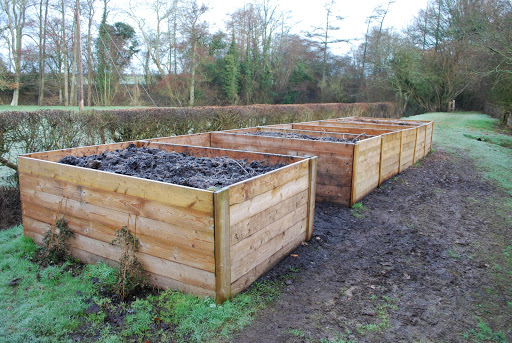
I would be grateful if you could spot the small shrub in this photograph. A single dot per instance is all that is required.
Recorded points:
(131, 274)
(55, 249)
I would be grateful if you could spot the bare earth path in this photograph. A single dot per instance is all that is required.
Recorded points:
(414, 265)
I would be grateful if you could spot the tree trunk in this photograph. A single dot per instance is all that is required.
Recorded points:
(42, 49)
(193, 74)
(65, 56)
(89, 57)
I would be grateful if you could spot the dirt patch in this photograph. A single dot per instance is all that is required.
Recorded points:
(172, 167)
(301, 136)
(409, 266)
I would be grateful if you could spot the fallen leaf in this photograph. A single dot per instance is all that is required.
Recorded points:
(294, 255)
(304, 244)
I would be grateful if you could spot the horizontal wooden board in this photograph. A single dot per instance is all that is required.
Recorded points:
(249, 277)
(366, 168)
(336, 194)
(245, 263)
(249, 208)
(187, 221)
(174, 195)
(278, 145)
(337, 129)
(259, 238)
(176, 271)
(249, 189)
(192, 253)
(407, 149)
(301, 132)
(363, 125)
(390, 155)
(200, 139)
(259, 221)
(225, 152)
(56, 155)
(420, 144)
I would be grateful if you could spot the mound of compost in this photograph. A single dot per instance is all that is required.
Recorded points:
(173, 167)
(301, 136)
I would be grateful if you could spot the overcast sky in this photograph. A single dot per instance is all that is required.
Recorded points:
(305, 14)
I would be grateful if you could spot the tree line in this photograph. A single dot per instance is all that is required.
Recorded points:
(165, 54)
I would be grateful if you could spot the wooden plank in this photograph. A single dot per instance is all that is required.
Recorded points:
(419, 151)
(56, 155)
(154, 279)
(291, 146)
(176, 271)
(313, 162)
(259, 203)
(407, 148)
(335, 194)
(195, 224)
(335, 129)
(249, 277)
(244, 264)
(357, 125)
(174, 195)
(301, 132)
(190, 253)
(243, 191)
(199, 139)
(367, 166)
(261, 220)
(390, 156)
(261, 237)
(222, 246)
(231, 153)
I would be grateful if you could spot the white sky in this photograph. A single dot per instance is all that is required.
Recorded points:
(305, 14)
(308, 13)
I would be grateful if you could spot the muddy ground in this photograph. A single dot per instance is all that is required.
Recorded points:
(412, 265)
(172, 167)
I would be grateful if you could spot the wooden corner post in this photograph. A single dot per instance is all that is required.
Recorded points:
(353, 191)
(222, 245)
(311, 201)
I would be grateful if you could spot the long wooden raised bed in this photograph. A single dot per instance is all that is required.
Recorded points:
(207, 242)
(346, 171)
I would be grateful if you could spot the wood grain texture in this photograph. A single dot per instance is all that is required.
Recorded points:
(313, 166)
(174, 195)
(407, 148)
(420, 143)
(222, 246)
(390, 156)
(366, 168)
(200, 139)
(338, 129)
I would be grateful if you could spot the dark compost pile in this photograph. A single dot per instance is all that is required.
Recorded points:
(301, 136)
(173, 167)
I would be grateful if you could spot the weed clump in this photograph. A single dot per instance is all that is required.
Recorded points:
(55, 249)
(130, 274)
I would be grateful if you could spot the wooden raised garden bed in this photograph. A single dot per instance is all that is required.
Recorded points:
(213, 242)
(347, 171)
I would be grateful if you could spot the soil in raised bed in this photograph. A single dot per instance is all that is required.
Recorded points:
(173, 167)
(301, 136)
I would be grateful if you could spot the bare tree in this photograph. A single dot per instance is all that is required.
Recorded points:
(323, 36)
(16, 12)
(43, 22)
(195, 30)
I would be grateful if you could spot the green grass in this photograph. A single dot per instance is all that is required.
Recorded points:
(459, 132)
(357, 210)
(43, 306)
